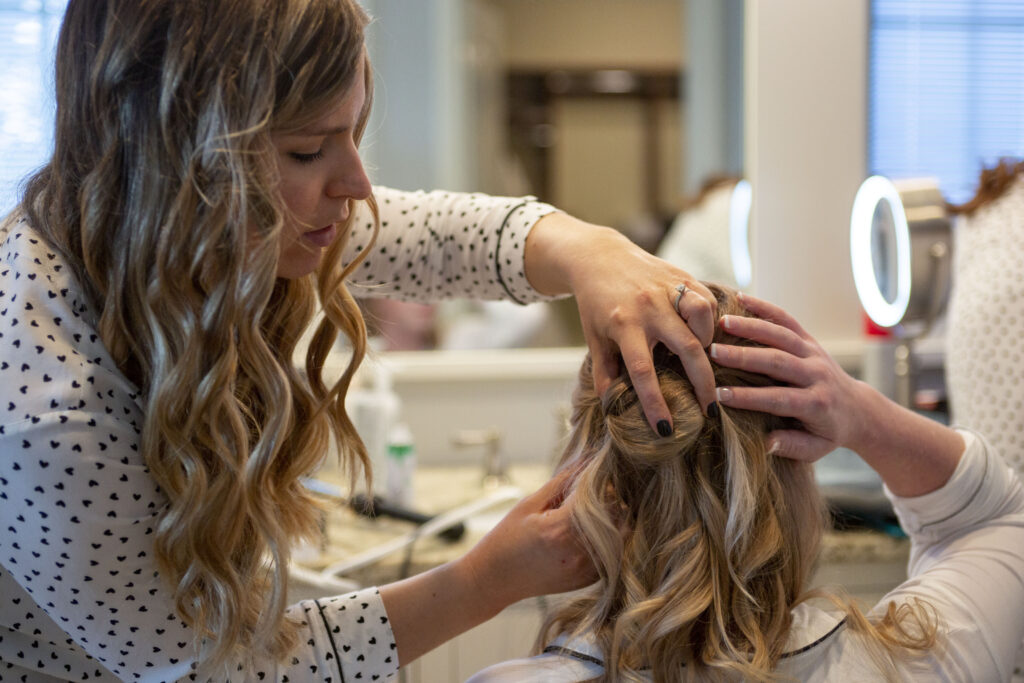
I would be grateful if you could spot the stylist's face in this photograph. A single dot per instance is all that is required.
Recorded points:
(320, 172)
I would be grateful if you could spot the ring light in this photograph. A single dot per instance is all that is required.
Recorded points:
(901, 244)
(739, 232)
(880, 252)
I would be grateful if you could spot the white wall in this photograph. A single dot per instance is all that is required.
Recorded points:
(805, 134)
(415, 138)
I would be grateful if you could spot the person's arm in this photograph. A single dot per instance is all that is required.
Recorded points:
(961, 505)
(913, 454)
(967, 563)
(443, 245)
(437, 245)
(626, 297)
(533, 551)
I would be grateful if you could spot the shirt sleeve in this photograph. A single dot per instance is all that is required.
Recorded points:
(967, 562)
(442, 245)
(352, 630)
(81, 596)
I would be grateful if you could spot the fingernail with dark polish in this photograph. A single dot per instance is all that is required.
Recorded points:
(664, 429)
(713, 411)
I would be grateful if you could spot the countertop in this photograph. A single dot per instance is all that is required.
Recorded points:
(438, 489)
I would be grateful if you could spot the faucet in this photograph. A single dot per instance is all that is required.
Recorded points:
(495, 474)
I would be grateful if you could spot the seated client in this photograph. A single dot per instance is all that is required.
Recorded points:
(705, 543)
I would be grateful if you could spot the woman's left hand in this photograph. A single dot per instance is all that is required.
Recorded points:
(627, 302)
(534, 550)
(913, 454)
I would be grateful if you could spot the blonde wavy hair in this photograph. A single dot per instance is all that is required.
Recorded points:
(703, 541)
(162, 196)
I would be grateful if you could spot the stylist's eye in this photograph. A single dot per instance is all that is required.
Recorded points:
(307, 158)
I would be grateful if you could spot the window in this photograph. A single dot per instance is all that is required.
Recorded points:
(28, 31)
(946, 89)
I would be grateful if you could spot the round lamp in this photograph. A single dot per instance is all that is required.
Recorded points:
(901, 243)
(900, 247)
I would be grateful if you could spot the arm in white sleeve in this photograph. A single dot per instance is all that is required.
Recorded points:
(442, 245)
(967, 561)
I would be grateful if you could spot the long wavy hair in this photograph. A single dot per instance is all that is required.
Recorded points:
(162, 196)
(703, 541)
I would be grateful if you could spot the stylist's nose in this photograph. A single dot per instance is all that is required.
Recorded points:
(350, 181)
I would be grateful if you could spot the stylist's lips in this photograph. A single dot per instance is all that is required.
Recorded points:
(322, 237)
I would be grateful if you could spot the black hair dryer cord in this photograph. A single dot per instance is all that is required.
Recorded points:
(378, 507)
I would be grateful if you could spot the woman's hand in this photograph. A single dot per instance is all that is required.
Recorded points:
(627, 303)
(820, 394)
(913, 454)
(533, 550)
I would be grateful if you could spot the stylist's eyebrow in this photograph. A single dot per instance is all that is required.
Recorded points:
(317, 132)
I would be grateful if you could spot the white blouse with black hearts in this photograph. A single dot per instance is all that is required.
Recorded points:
(80, 596)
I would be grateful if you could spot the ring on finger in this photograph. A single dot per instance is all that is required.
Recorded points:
(679, 297)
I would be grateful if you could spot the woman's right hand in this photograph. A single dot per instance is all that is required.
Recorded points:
(534, 550)
(826, 400)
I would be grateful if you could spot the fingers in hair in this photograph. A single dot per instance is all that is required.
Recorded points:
(766, 332)
(639, 364)
(780, 401)
(771, 312)
(779, 365)
(701, 313)
(796, 444)
(682, 342)
(605, 364)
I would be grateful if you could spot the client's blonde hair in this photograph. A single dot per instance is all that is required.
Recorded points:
(704, 542)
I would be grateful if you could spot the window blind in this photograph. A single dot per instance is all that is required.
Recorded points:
(946, 89)
(28, 31)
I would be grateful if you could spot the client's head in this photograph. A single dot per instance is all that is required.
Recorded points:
(703, 540)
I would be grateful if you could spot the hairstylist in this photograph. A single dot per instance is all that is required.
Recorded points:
(205, 197)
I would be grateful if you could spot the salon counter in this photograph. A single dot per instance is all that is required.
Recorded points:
(437, 489)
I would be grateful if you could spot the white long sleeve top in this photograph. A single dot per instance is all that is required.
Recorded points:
(80, 595)
(984, 360)
(966, 560)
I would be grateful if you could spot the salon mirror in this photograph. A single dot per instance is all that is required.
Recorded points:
(883, 251)
(710, 238)
(604, 110)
